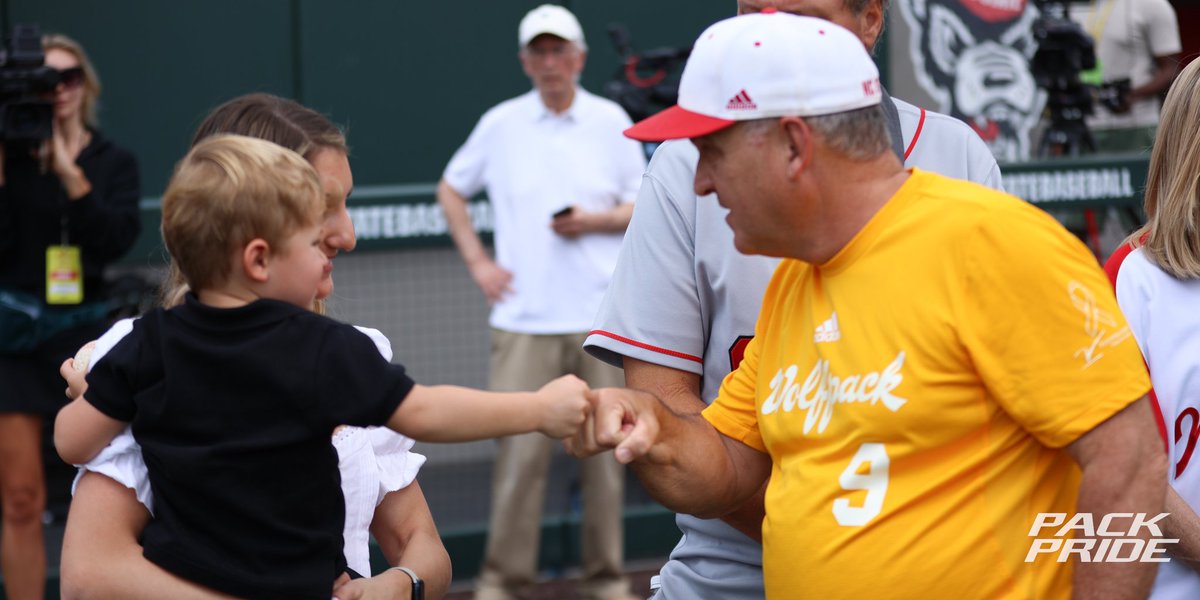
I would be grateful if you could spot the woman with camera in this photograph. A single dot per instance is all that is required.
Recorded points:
(68, 208)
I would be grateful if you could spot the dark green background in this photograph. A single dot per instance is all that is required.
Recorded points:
(407, 79)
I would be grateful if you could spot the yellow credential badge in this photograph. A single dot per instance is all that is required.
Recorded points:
(64, 275)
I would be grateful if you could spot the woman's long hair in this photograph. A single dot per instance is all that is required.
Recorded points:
(1171, 236)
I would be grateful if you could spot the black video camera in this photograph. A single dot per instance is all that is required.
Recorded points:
(26, 88)
(1064, 49)
(1064, 52)
(647, 82)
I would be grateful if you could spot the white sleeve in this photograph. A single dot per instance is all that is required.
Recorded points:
(984, 169)
(466, 169)
(382, 343)
(106, 342)
(656, 274)
(121, 460)
(946, 145)
(397, 465)
(1135, 292)
(1162, 28)
(631, 163)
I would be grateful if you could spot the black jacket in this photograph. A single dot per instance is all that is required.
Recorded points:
(104, 223)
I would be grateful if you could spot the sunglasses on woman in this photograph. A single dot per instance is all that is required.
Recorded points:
(71, 78)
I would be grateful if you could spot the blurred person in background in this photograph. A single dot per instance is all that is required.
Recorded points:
(561, 180)
(1137, 42)
(68, 209)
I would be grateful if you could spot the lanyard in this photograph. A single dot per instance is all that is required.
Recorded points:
(1097, 19)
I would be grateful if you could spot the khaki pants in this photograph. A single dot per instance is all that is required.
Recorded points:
(526, 362)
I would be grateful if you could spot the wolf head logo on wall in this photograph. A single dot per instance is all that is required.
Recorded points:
(973, 56)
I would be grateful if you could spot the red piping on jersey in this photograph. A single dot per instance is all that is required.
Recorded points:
(1112, 267)
(646, 346)
(917, 134)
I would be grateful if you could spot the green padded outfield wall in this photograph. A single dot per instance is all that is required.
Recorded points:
(407, 79)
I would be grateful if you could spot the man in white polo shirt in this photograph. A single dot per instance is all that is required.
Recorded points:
(562, 180)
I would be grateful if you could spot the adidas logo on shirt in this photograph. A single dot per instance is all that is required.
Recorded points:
(828, 331)
(741, 101)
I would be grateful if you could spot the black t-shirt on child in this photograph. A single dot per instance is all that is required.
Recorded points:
(234, 409)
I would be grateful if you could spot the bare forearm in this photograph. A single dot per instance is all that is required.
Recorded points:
(408, 537)
(689, 469)
(1164, 75)
(1102, 495)
(1183, 525)
(458, 221)
(748, 518)
(76, 184)
(1124, 471)
(81, 431)
(426, 556)
(616, 219)
(447, 413)
(678, 390)
(678, 393)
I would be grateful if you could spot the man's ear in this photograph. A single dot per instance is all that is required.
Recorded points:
(256, 260)
(870, 24)
(798, 137)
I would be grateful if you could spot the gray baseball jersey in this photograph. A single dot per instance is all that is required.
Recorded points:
(683, 297)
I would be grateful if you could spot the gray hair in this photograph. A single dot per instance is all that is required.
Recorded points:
(859, 134)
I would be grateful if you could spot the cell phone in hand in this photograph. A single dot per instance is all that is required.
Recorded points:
(564, 211)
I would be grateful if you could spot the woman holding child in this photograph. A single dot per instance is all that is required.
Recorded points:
(377, 470)
(68, 208)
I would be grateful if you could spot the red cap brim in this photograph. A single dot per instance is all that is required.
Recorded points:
(675, 123)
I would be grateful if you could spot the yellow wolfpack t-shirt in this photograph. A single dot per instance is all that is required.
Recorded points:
(915, 392)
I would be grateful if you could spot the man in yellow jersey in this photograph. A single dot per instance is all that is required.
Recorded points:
(937, 367)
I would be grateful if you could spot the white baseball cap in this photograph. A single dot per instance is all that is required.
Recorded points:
(554, 20)
(767, 64)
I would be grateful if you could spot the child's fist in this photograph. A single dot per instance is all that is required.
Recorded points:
(564, 407)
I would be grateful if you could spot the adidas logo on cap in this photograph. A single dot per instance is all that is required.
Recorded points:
(741, 101)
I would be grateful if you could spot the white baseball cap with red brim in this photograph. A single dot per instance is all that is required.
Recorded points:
(767, 64)
(553, 20)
